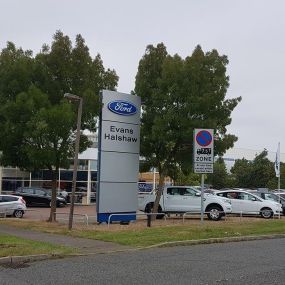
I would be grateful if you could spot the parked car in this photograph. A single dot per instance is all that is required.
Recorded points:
(247, 203)
(12, 205)
(269, 195)
(37, 196)
(280, 193)
(182, 199)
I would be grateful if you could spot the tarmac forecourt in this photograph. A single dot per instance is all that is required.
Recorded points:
(98, 239)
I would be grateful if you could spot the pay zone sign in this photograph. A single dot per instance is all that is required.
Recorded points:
(203, 150)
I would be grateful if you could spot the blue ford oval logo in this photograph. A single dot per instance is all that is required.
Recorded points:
(123, 108)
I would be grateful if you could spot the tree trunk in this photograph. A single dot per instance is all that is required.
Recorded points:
(52, 217)
(158, 195)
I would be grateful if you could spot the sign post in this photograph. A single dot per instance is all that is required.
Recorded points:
(203, 157)
(118, 159)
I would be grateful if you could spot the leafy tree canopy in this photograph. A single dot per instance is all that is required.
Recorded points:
(179, 95)
(258, 173)
(37, 124)
(219, 178)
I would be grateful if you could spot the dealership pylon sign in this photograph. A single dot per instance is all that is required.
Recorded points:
(118, 167)
(203, 150)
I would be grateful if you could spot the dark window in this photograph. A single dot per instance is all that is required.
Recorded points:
(82, 175)
(173, 191)
(189, 192)
(9, 199)
(232, 195)
(93, 175)
(223, 194)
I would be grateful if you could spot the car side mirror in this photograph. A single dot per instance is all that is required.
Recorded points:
(253, 199)
(198, 194)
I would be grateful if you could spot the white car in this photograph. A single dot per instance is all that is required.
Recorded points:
(11, 205)
(182, 199)
(247, 203)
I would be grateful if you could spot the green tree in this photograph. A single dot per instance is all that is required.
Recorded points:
(258, 173)
(179, 95)
(219, 178)
(262, 170)
(241, 171)
(188, 179)
(38, 126)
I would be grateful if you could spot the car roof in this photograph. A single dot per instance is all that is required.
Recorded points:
(9, 195)
(233, 190)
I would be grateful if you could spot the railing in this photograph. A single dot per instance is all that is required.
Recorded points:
(137, 214)
(199, 213)
(240, 214)
(84, 217)
(246, 213)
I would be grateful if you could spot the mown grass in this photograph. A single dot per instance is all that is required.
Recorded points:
(11, 246)
(143, 236)
(151, 236)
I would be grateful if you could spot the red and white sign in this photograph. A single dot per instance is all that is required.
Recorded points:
(203, 150)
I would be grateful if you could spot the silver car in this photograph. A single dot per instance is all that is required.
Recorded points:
(11, 205)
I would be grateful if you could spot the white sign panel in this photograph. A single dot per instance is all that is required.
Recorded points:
(203, 150)
(119, 141)
(120, 137)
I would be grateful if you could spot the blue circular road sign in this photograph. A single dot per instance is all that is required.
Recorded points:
(204, 138)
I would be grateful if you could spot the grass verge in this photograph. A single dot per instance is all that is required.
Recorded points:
(138, 237)
(11, 246)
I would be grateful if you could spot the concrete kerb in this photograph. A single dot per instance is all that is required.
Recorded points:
(27, 258)
(32, 258)
(215, 240)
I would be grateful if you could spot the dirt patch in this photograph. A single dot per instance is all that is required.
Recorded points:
(141, 223)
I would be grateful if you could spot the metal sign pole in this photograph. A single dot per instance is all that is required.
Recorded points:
(202, 198)
(279, 193)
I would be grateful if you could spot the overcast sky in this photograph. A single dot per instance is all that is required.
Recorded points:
(249, 32)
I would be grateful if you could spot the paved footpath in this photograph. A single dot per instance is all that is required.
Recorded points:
(85, 246)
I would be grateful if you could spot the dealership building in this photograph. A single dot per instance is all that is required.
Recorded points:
(11, 178)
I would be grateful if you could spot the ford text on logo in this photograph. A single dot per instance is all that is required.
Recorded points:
(121, 107)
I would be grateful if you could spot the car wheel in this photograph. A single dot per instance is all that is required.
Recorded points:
(18, 214)
(214, 213)
(266, 213)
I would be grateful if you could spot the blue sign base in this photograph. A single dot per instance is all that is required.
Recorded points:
(116, 217)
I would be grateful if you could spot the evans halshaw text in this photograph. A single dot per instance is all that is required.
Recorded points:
(122, 136)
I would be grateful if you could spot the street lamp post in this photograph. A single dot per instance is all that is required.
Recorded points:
(77, 141)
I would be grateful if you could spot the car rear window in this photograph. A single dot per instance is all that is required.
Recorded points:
(9, 199)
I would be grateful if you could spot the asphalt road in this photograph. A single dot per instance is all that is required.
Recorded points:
(253, 262)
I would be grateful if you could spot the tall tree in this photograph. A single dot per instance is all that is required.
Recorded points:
(262, 170)
(179, 95)
(38, 126)
(258, 173)
(219, 178)
(242, 170)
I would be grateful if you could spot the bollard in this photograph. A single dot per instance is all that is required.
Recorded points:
(149, 220)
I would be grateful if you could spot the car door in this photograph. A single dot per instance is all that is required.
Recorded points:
(248, 203)
(233, 196)
(41, 197)
(191, 200)
(10, 204)
(2, 206)
(173, 200)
